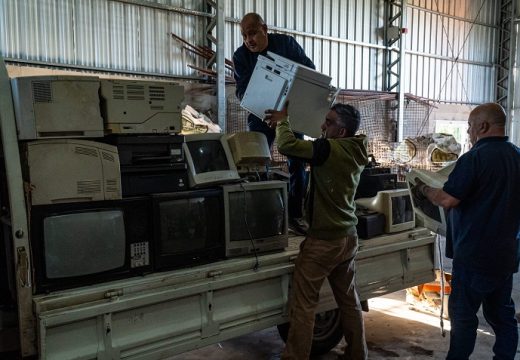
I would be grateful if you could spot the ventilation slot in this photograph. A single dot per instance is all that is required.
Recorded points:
(86, 151)
(135, 92)
(157, 93)
(107, 156)
(42, 91)
(89, 187)
(111, 186)
(118, 92)
(156, 107)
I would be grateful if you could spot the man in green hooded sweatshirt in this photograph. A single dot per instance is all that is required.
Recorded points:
(328, 251)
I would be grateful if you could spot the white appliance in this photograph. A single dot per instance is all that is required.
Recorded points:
(276, 79)
(133, 106)
(57, 107)
(72, 170)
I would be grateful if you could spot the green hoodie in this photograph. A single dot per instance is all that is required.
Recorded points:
(336, 165)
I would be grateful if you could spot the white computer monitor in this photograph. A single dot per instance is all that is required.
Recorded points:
(431, 216)
(397, 207)
(209, 160)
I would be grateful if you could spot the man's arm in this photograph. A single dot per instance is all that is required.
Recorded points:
(437, 196)
(241, 74)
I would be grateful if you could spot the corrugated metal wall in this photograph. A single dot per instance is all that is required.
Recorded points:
(341, 36)
(108, 35)
(450, 49)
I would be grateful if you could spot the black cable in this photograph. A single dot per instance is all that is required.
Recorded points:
(257, 263)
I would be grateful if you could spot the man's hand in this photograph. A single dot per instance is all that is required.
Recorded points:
(273, 117)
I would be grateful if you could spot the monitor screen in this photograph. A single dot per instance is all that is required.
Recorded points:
(255, 217)
(76, 244)
(209, 160)
(397, 207)
(188, 228)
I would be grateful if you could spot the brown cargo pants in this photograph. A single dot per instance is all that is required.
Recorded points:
(317, 260)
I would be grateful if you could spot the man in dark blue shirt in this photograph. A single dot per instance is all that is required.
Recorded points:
(483, 234)
(258, 42)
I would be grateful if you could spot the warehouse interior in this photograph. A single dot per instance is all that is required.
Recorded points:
(412, 67)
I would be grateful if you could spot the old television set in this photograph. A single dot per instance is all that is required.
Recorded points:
(276, 80)
(76, 244)
(57, 107)
(70, 170)
(209, 160)
(189, 228)
(255, 217)
(430, 216)
(397, 207)
(250, 151)
(136, 106)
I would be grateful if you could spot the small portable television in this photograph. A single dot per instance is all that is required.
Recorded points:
(189, 228)
(209, 160)
(432, 216)
(250, 151)
(82, 243)
(396, 205)
(255, 217)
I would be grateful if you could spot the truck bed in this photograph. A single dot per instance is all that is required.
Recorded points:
(167, 313)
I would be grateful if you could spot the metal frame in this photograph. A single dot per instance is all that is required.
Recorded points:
(506, 53)
(394, 57)
(218, 22)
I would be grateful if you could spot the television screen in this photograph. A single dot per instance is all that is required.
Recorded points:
(75, 244)
(402, 210)
(209, 160)
(78, 234)
(256, 217)
(189, 228)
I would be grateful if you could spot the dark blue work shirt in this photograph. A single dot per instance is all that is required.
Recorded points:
(483, 231)
(244, 60)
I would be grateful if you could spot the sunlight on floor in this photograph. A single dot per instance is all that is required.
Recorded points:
(398, 308)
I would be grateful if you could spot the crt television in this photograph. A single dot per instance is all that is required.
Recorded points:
(83, 243)
(250, 150)
(209, 160)
(396, 205)
(189, 228)
(57, 107)
(255, 217)
(71, 170)
(432, 216)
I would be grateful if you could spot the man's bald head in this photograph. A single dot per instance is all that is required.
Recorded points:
(486, 120)
(252, 19)
(254, 32)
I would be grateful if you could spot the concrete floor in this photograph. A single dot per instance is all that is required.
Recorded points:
(393, 330)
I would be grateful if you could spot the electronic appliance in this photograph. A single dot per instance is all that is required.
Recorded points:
(136, 106)
(209, 160)
(250, 151)
(276, 80)
(76, 244)
(432, 216)
(255, 217)
(372, 180)
(370, 224)
(71, 170)
(396, 205)
(189, 228)
(150, 163)
(57, 107)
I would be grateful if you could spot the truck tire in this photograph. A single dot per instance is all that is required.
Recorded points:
(327, 332)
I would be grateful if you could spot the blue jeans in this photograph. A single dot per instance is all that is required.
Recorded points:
(469, 291)
(297, 174)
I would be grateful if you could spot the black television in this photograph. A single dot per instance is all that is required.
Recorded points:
(189, 228)
(82, 243)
